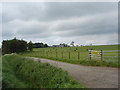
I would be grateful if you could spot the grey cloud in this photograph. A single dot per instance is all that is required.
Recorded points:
(65, 10)
(100, 24)
(52, 22)
(26, 29)
(34, 33)
(31, 30)
(7, 35)
(55, 10)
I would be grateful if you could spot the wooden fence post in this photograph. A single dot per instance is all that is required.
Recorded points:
(90, 54)
(47, 54)
(78, 56)
(56, 54)
(62, 54)
(51, 54)
(69, 55)
(101, 55)
(44, 53)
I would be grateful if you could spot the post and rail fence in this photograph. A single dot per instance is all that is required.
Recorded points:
(96, 54)
(62, 55)
(101, 54)
(77, 55)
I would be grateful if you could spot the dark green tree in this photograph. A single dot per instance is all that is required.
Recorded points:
(45, 45)
(39, 45)
(30, 46)
(13, 46)
(5, 47)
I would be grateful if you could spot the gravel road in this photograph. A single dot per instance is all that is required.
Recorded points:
(89, 76)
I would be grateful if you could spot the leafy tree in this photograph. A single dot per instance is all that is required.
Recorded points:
(30, 46)
(65, 45)
(39, 45)
(13, 46)
(5, 47)
(72, 43)
(45, 45)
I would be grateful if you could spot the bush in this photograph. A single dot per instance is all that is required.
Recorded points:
(13, 46)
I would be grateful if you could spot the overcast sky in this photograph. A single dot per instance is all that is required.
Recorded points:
(61, 22)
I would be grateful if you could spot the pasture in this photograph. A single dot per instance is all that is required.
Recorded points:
(78, 55)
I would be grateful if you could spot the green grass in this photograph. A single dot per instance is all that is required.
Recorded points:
(19, 72)
(50, 53)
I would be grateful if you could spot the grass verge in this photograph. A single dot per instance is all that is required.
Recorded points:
(86, 62)
(19, 72)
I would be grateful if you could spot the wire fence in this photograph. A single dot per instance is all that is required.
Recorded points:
(60, 54)
(77, 55)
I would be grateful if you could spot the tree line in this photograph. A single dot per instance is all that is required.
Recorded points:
(40, 45)
(17, 46)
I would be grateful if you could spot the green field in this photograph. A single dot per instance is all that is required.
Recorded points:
(19, 72)
(78, 55)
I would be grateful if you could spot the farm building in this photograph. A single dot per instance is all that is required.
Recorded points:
(58, 46)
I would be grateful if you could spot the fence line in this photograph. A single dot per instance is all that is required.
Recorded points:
(56, 54)
(69, 55)
(101, 54)
(62, 54)
(111, 51)
(77, 55)
(107, 53)
(111, 54)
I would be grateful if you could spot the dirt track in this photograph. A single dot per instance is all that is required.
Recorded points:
(90, 77)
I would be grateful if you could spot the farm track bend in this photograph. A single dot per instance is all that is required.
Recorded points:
(89, 76)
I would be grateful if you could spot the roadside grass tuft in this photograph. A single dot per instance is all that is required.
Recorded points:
(87, 62)
(19, 72)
